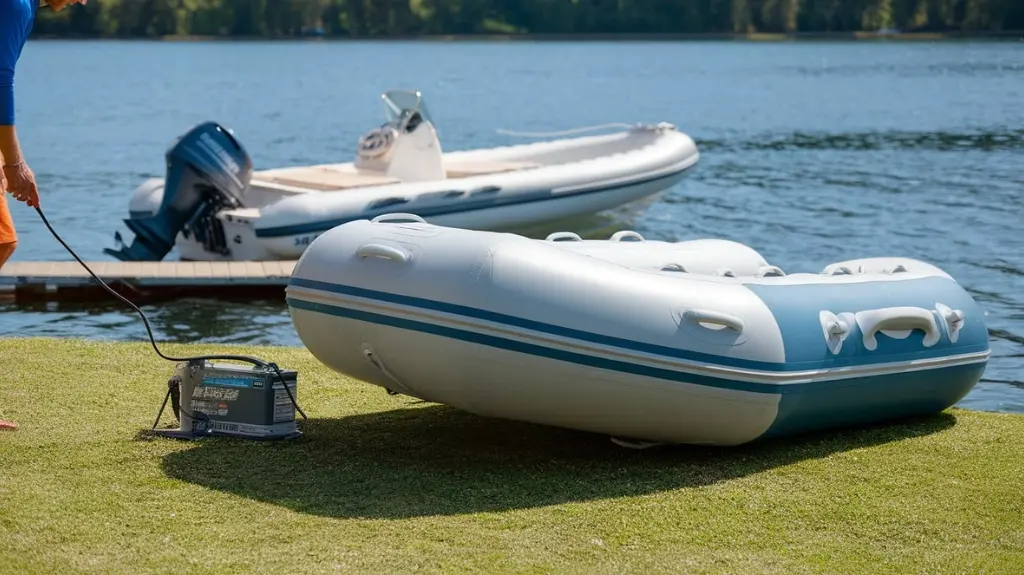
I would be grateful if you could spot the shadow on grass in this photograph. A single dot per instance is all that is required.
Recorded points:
(437, 460)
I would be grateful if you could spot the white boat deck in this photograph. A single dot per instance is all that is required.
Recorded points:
(329, 177)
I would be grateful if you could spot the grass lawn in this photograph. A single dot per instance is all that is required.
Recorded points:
(388, 484)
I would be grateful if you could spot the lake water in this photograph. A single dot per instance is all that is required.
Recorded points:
(812, 152)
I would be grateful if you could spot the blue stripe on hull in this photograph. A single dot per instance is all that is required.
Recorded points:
(463, 207)
(844, 385)
(533, 349)
(515, 321)
(877, 399)
(795, 308)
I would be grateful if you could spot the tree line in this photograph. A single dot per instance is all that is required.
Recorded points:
(410, 18)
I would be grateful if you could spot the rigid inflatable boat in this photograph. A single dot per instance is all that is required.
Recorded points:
(699, 342)
(212, 205)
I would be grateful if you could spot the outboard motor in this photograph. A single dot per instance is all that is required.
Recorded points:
(207, 170)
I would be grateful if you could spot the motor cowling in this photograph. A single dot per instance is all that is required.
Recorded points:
(208, 170)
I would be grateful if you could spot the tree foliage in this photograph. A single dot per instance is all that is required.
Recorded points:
(384, 18)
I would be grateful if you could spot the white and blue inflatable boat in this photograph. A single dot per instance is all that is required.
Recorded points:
(697, 342)
(211, 205)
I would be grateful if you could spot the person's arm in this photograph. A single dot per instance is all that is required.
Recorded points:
(15, 23)
(10, 150)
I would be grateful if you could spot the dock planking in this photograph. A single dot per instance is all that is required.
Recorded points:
(68, 280)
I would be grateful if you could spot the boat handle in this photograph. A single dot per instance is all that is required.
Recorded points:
(897, 318)
(954, 319)
(624, 234)
(398, 218)
(835, 328)
(700, 316)
(382, 251)
(770, 271)
(385, 202)
(839, 271)
(558, 236)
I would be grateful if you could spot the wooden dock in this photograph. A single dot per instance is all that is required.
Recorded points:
(68, 280)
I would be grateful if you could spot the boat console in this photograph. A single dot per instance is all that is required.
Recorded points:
(406, 147)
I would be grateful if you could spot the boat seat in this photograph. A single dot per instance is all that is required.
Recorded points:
(323, 178)
(481, 167)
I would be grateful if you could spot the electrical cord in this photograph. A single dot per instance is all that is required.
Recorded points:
(149, 331)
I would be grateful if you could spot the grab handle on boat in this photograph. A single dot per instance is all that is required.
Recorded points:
(624, 234)
(704, 316)
(897, 319)
(770, 271)
(835, 328)
(562, 236)
(954, 319)
(398, 218)
(382, 251)
(835, 270)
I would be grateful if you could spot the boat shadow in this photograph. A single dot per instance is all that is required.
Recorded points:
(436, 460)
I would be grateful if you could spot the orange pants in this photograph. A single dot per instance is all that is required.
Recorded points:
(8, 237)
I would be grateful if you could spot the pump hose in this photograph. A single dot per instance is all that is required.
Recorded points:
(149, 331)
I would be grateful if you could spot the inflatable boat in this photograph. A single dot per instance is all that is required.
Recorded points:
(212, 205)
(700, 342)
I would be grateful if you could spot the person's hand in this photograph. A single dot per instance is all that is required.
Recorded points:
(21, 183)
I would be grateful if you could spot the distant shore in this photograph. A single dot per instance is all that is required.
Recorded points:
(1011, 35)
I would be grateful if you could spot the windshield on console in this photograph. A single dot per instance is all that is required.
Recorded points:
(398, 101)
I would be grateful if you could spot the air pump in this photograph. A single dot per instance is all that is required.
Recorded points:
(256, 402)
(225, 399)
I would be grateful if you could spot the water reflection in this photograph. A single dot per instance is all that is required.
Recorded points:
(944, 141)
(191, 320)
(910, 69)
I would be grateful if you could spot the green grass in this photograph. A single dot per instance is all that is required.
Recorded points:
(385, 483)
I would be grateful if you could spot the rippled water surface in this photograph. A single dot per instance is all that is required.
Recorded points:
(812, 152)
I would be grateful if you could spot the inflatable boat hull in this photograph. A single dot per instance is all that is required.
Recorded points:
(691, 350)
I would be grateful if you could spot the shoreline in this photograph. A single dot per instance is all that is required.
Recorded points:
(1011, 35)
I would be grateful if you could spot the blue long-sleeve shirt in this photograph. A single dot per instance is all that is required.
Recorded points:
(16, 20)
